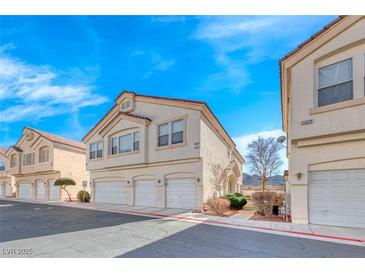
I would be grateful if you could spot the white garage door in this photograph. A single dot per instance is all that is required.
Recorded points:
(7, 190)
(25, 191)
(337, 198)
(40, 191)
(111, 192)
(181, 193)
(145, 193)
(54, 192)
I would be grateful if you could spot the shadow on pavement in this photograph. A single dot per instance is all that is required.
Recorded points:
(206, 241)
(26, 220)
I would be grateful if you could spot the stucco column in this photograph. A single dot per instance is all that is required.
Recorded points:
(92, 190)
(199, 193)
(34, 194)
(46, 189)
(161, 192)
(130, 192)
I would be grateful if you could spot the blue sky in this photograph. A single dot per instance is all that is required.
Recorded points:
(61, 73)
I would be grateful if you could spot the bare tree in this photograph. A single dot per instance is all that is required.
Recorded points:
(263, 158)
(218, 179)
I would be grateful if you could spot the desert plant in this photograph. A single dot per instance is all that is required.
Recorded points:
(236, 199)
(64, 182)
(218, 205)
(83, 196)
(264, 202)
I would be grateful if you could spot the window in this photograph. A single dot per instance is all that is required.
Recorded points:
(335, 83)
(125, 143)
(96, 150)
(13, 160)
(28, 159)
(2, 165)
(175, 128)
(114, 145)
(135, 141)
(43, 154)
(177, 132)
(163, 135)
(99, 152)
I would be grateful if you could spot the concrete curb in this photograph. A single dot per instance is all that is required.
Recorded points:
(283, 232)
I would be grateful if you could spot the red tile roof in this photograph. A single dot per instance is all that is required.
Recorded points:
(3, 150)
(135, 116)
(58, 139)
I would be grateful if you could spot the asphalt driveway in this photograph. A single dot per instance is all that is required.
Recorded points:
(39, 230)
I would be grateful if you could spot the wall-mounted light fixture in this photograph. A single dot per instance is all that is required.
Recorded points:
(299, 175)
(198, 180)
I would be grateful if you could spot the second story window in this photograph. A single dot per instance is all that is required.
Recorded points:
(2, 165)
(163, 135)
(125, 143)
(135, 141)
(335, 83)
(12, 160)
(114, 149)
(96, 150)
(177, 132)
(28, 159)
(43, 155)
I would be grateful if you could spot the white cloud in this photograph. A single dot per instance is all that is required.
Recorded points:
(241, 41)
(243, 141)
(31, 92)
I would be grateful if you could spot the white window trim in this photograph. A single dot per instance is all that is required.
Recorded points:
(96, 151)
(32, 158)
(47, 155)
(117, 136)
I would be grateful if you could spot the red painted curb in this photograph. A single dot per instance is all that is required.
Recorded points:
(248, 226)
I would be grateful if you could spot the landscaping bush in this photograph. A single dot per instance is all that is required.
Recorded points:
(81, 198)
(247, 197)
(279, 200)
(264, 201)
(236, 199)
(218, 205)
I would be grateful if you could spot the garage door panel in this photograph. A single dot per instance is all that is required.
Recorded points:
(340, 176)
(110, 192)
(337, 198)
(181, 193)
(145, 193)
(359, 176)
(318, 177)
(25, 191)
(40, 191)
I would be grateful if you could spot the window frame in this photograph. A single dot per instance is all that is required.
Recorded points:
(130, 143)
(25, 158)
(159, 136)
(96, 150)
(169, 123)
(11, 164)
(331, 64)
(133, 148)
(2, 165)
(43, 149)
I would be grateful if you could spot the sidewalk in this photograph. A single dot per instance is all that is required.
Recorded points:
(354, 236)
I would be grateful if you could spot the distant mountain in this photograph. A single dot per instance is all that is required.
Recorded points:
(256, 180)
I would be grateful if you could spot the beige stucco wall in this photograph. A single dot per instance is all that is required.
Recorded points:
(201, 146)
(337, 134)
(72, 164)
(158, 172)
(63, 161)
(214, 151)
(5, 178)
(149, 152)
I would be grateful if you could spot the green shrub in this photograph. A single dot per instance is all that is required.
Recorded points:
(237, 194)
(81, 198)
(237, 202)
(248, 198)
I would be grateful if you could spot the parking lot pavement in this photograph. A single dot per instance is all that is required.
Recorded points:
(41, 230)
